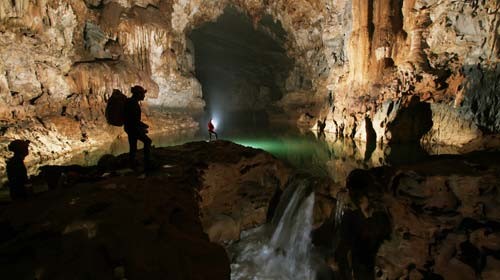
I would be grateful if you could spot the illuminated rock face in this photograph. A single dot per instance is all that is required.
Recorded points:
(60, 60)
(443, 220)
(445, 54)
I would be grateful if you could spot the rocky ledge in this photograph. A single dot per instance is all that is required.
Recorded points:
(108, 222)
(436, 219)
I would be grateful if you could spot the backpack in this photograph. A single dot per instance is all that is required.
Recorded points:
(115, 108)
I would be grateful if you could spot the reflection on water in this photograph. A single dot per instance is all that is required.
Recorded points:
(324, 157)
(120, 146)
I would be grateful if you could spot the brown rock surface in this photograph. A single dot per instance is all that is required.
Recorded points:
(152, 227)
(426, 49)
(443, 218)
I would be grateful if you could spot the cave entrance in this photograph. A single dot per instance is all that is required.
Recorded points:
(242, 68)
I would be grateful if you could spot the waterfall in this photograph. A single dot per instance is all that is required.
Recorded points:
(286, 253)
(342, 202)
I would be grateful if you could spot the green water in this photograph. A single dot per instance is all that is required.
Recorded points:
(323, 156)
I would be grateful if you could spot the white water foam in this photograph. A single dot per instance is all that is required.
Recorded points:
(284, 255)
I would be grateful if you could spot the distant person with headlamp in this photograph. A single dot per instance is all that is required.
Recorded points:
(211, 130)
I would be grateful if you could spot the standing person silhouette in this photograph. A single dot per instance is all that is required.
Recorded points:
(211, 130)
(135, 128)
(16, 170)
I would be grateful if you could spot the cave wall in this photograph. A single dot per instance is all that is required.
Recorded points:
(443, 52)
(60, 60)
(380, 54)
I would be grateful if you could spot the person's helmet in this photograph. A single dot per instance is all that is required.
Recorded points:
(137, 90)
(19, 146)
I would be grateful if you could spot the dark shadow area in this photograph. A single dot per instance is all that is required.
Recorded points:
(371, 139)
(397, 154)
(412, 122)
(242, 68)
(481, 100)
(410, 125)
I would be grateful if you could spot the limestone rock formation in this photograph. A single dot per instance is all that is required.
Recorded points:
(237, 189)
(442, 52)
(443, 213)
(63, 58)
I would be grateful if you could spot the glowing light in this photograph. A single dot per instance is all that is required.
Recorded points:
(215, 120)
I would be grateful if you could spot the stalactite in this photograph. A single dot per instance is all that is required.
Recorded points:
(13, 9)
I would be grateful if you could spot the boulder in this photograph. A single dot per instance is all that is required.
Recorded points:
(157, 227)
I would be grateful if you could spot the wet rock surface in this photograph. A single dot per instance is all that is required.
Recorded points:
(437, 218)
(109, 222)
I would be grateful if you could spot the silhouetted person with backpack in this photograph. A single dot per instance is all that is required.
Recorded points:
(211, 130)
(135, 128)
(16, 170)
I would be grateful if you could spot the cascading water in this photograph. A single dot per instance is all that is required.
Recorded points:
(342, 201)
(340, 207)
(284, 255)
